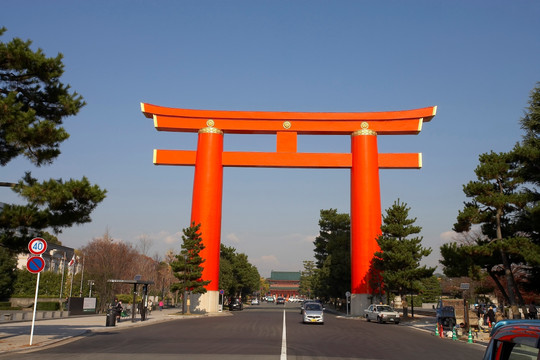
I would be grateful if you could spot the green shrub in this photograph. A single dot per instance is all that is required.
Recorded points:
(5, 305)
(48, 306)
(127, 298)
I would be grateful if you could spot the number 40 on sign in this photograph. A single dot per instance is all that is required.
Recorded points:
(37, 246)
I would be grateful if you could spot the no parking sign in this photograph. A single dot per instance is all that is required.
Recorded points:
(35, 264)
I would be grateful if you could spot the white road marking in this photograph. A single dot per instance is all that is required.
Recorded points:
(284, 340)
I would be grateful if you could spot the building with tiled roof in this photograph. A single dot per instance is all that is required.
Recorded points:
(284, 283)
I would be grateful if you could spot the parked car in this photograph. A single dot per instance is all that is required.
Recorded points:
(514, 339)
(313, 312)
(382, 314)
(270, 298)
(255, 301)
(236, 304)
(280, 301)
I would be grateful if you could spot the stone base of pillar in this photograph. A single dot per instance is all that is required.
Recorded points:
(359, 302)
(205, 303)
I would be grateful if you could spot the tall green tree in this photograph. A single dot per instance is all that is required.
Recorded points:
(496, 201)
(398, 260)
(333, 254)
(334, 230)
(431, 289)
(308, 278)
(187, 266)
(237, 276)
(527, 154)
(33, 105)
(528, 150)
(505, 203)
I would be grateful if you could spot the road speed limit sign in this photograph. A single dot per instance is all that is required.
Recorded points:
(37, 246)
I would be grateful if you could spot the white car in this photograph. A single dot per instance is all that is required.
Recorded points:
(255, 301)
(382, 314)
(313, 313)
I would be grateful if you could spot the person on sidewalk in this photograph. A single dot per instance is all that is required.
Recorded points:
(491, 316)
(118, 308)
(481, 322)
(533, 312)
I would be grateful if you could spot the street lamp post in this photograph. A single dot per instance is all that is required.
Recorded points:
(90, 283)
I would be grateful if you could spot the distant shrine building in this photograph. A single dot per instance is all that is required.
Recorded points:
(284, 283)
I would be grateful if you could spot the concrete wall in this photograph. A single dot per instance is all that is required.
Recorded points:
(22, 315)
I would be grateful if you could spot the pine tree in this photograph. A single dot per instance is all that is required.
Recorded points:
(33, 105)
(496, 200)
(308, 278)
(333, 254)
(505, 201)
(527, 154)
(400, 256)
(187, 266)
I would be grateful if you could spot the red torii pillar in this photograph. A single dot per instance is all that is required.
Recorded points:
(206, 203)
(364, 162)
(365, 214)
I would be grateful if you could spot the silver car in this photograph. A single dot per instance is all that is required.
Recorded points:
(382, 314)
(313, 313)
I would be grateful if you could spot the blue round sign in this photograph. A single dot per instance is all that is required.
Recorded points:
(35, 264)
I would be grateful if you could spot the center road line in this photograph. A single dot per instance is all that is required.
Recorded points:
(284, 340)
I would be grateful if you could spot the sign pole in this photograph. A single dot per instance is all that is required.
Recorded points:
(36, 264)
(35, 307)
(62, 283)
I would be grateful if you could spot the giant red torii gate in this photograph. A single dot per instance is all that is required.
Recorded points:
(364, 161)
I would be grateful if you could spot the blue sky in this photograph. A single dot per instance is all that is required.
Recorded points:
(476, 60)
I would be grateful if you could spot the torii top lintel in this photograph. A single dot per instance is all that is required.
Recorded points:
(270, 122)
(287, 125)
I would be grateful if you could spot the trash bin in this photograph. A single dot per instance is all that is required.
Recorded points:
(111, 317)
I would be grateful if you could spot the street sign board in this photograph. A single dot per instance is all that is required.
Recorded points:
(37, 246)
(35, 264)
(464, 286)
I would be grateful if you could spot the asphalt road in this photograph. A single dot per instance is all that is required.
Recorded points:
(260, 332)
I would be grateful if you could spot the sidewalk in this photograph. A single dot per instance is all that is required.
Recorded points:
(15, 336)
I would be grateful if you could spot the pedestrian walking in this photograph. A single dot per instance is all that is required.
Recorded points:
(481, 322)
(118, 309)
(533, 312)
(491, 316)
(160, 305)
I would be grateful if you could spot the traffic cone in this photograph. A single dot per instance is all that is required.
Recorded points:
(469, 340)
(441, 331)
(437, 330)
(454, 335)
